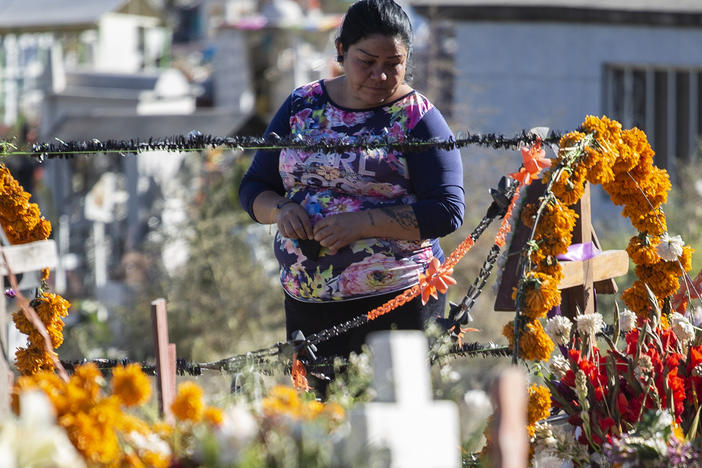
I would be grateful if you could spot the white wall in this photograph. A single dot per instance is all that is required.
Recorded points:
(511, 76)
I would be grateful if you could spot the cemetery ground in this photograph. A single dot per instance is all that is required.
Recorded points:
(252, 417)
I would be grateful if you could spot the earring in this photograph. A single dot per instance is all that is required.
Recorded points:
(340, 58)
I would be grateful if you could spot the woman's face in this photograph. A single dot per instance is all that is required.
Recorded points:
(374, 69)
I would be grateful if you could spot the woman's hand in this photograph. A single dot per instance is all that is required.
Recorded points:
(294, 222)
(340, 230)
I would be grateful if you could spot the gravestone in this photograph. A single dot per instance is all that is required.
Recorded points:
(581, 278)
(22, 258)
(415, 430)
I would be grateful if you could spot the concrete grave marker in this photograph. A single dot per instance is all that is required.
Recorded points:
(403, 419)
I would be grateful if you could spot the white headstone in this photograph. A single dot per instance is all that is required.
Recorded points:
(404, 420)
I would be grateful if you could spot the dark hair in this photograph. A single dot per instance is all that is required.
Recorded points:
(368, 17)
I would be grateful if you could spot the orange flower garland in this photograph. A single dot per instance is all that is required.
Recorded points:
(23, 223)
(622, 161)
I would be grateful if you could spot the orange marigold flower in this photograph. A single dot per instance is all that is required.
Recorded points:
(554, 245)
(188, 404)
(634, 142)
(646, 220)
(538, 405)
(156, 460)
(660, 281)
(534, 343)
(45, 272)
(568, 188)
(636, 299)
(556, 220)
(541, 294)
(601, 173)
(642, 250)
(282, 400)
(213, 416)
(31, 360)
(686, 258)
(567, 141)
(131, 385)
(528, 214)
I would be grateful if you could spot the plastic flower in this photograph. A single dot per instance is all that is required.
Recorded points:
(434, 279)
(533, 161)
(670, 248)
(188, 404)
(131, 385)
(558, 328)
(627, 320)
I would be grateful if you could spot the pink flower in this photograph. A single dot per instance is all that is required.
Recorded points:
(343, 205)
(374, 274)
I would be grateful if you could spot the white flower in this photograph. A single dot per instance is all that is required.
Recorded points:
(558, 328)
(478, 404)
(149, 443)
(34, 440)
(683, 329)
(670, 248)
(665, 419)
(589, 324)
(558, 366)
(627, 320)
(448, 374)
(238, 428)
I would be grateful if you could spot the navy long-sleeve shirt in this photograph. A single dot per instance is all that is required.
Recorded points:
(431, 181)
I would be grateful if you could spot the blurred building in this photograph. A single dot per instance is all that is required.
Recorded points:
(525, 63)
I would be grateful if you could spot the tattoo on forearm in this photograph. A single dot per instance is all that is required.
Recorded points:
(370, 215)
(402, 215)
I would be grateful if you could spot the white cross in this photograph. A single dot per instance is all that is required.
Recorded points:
(403, 419)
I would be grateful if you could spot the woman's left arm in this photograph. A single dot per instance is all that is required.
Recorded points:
(437, 180)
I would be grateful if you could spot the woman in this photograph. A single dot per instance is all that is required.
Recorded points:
(374, 215)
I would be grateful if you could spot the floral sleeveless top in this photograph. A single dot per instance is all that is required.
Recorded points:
(329, 183)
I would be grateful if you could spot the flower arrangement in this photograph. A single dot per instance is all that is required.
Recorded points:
(613, 395)
(622, 161)
(95, 418)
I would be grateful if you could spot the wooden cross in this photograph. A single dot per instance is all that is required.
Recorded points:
(582, 277)
(22, 258)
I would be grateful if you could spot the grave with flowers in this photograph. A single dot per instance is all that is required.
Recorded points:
(596, 394)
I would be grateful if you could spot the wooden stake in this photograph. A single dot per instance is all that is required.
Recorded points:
(165, 359)
(510, 444)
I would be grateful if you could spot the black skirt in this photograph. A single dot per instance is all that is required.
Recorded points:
(312, 317)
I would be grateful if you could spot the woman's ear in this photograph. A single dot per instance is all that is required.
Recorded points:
(339, 51)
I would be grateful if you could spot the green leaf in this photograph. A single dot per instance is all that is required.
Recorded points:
(693, 429)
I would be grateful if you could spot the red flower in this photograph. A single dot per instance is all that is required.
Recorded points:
(606, 423)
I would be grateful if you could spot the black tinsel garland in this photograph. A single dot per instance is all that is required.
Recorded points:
(196, 141)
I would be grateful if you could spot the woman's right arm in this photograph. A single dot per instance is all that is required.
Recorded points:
(261, 192)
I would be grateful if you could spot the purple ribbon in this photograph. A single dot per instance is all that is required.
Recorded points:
(579, 252)
(575, 252)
